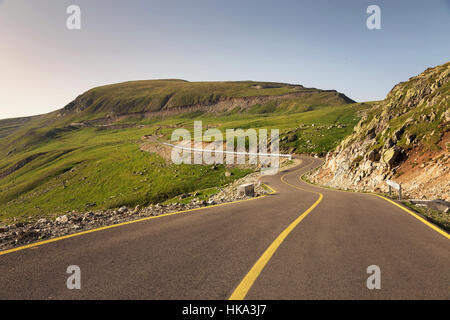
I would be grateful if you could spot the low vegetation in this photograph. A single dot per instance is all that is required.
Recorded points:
(439, 218)
(89, 169)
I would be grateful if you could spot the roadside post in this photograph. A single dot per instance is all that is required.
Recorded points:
(396, 186)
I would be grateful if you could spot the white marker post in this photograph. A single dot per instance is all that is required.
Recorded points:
(396, 186)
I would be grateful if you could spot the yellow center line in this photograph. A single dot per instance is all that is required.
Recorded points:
(247, 282)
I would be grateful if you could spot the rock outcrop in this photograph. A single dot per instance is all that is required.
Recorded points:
(405, 137)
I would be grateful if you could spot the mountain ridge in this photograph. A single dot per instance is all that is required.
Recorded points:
(155, 95)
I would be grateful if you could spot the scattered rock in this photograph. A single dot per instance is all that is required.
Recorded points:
(122, 210)
(62, 219)
(371, 133)
(374, 155)
(446, 115)
(439, 205)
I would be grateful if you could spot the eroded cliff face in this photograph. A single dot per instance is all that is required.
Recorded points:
(405, 137)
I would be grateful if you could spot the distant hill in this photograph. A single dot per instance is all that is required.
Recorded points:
(138, 101)
(404, 137)
(157, 95)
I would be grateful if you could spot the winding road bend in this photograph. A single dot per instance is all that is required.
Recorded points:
(301, 242)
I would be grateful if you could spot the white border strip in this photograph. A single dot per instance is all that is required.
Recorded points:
(232, 152)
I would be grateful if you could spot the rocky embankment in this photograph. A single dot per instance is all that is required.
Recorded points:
(405, 137)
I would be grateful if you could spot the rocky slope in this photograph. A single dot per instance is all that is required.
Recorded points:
(405, 137)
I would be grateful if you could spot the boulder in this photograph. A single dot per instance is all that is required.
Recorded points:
(389, 143)
(374, 155)
(371, 133)
(446, 115)
(432, 116)
(42, 221)
(122, 209)
(136, 209)
(246, 190)
(410, 138)
(62, 219)
(398, 134)
(392, 156)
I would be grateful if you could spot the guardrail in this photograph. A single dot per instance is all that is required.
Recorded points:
(396, 186)
(232, 152)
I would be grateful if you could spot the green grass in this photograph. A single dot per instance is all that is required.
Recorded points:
(102, 170)
(436, 217)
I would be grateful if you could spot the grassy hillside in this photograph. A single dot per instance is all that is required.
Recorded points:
(91, 169)
(49, 164)
(155, 95)
(313, 130)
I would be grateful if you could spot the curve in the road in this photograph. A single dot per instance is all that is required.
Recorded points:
(427, 223)
(205, 254)
(242, 289)
(249, 279)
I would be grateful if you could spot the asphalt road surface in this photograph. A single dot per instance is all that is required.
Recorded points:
(302, 242)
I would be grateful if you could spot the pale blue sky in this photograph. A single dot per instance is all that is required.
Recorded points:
(323, 44)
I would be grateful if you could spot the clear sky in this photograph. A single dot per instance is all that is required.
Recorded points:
(316, 43)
